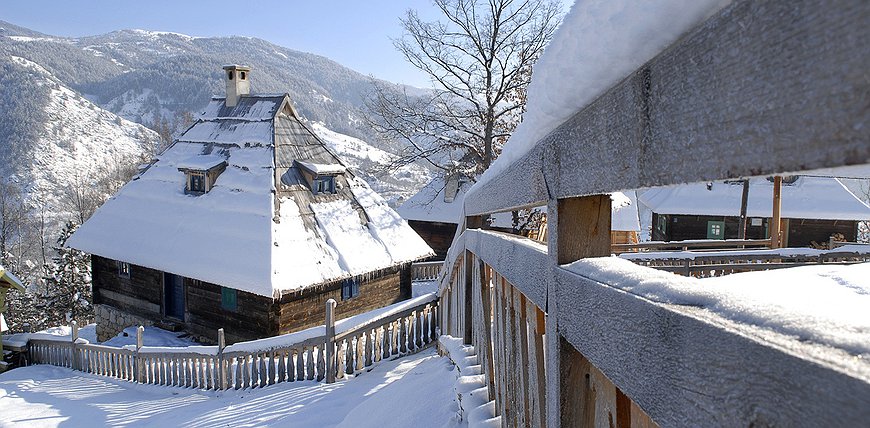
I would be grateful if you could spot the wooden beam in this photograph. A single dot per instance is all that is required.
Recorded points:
(776, 219)
(584, 228)
(671, 361)
(521, 265)
(796, 90)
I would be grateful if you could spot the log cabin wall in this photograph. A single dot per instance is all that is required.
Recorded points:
(140, 294)
(800, 232)
(255, 317)
(204, 314)
(438, 236)
(306, 308)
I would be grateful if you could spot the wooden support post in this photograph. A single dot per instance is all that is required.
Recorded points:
(582, 230)
(744, 200)
(330, 341)
(138, 367)
(475, 222)
(223, 383)
(775, 241)
(74, 336)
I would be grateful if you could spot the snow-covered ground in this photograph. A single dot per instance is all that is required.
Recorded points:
(417, 391)
(419, 288)
(152, 336)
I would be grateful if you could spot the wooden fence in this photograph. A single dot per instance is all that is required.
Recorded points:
(425, 271)
(691, 245)
(330, 353)
(614, 358)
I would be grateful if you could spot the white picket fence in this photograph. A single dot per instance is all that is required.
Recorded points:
(332, 351)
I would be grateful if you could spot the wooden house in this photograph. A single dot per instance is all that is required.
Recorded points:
(436, 209)
(813, 210)
(247, 222)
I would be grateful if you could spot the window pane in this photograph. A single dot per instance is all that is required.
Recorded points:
(228, 298)
(197, 182)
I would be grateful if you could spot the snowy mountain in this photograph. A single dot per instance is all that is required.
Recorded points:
(146, 75)
(54, 142)
(154, 77)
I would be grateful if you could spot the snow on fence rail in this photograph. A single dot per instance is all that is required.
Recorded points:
(334, 350)
(615, 356)
(690, 244)
(717, 263)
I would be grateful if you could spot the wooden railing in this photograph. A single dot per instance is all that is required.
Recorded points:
(328, 352)
(612, 356)
(691, 245)
(425, 271)
(718, 263)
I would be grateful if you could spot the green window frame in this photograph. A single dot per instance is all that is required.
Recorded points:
(229, 298)
(715, 230)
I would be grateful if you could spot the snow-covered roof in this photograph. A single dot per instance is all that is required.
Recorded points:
(819, 198)
(246, 232)
(430, 204)
(319, 168)
(201, 162)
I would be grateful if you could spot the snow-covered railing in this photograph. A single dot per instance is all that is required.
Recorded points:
(612, 353)
(717, 263)
(334, 350)
(691, 245)
(425, 271)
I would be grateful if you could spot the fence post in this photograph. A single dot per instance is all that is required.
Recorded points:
(74, 336)
(222, 371)
(137, 363)
(330, 341)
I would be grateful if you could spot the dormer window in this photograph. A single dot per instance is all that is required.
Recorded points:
(196, 181)
(320, 177)
(201, 172)
(324, 184)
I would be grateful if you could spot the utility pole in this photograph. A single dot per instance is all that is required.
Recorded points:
(741, 231)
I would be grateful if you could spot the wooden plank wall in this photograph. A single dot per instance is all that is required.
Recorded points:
(297, 311)
(255, 316)
(140, 294)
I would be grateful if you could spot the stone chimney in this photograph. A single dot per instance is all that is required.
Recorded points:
(238, 83)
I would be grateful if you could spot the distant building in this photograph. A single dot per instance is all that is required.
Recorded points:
(434, 213)
(813, 209)
(247, 222)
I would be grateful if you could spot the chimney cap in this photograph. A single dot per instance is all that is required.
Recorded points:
(237, 67)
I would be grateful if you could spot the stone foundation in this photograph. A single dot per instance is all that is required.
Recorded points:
(112, 321)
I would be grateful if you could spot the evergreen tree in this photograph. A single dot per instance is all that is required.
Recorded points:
(69, 289)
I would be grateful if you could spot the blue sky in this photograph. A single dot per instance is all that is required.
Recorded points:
(354, 33)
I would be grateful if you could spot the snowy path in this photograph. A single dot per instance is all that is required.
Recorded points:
(413, 391)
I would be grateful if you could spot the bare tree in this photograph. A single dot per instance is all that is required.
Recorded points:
(12, 216)
(479, 59)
